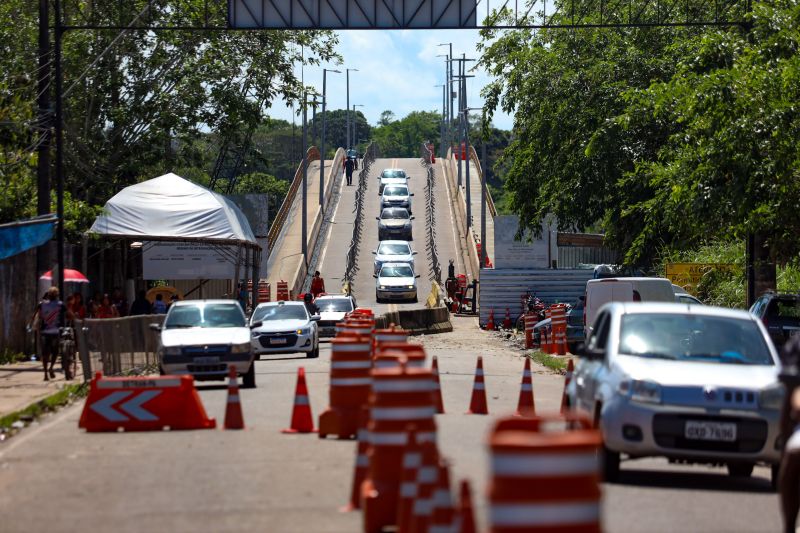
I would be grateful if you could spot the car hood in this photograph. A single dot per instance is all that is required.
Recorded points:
(684, 373)
(274, 326)
(394, 282)
(394, 223)
(394, 258)
(195, 336)
(395, 198)
(332, 316)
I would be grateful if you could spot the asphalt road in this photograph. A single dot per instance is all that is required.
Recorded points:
(55, 477)
(333, 257)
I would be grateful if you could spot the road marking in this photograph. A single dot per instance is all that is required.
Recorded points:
(456, 239)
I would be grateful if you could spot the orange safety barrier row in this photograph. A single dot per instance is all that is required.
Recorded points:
(531, 319)
(351, 363)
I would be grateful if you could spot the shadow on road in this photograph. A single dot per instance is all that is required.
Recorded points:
(693, 481)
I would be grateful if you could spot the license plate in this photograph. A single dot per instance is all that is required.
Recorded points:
(205, 360)
(280, 340)
(717, 431)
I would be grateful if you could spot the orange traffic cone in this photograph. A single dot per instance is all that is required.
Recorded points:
(507, 319)
(302, 421)
(466, 515)
(490, 323)
(477, 405)
(443, 514)
(526, 406)
(412, 460)
(362, 462)
(438, 392)
(233, 408)
(567, 380)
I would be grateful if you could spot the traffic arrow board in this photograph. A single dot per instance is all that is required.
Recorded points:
(133, 406)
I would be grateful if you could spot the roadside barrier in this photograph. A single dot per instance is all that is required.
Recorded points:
(233, 405)
(392, 354)
(437, 393)
(412, 460)
(362, 312)
(400, 396)
(526, 405)
(507, 319)
(548, 346)
(357, 326)
(361, 463)
(143, 404)
(559, 323)
(530, 320)
(465, 519)
(282, 291)
(567, 380)
(443, 512)
(545, 475)
(351, 363)
(477, 405)
(490, 322)
(391, 334)
(264, 291)
(427, 481)
(302, 421)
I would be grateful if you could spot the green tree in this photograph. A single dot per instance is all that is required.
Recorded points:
(403, 137)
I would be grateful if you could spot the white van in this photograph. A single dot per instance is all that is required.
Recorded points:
(601, 291)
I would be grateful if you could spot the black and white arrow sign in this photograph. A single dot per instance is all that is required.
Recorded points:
(132, 407)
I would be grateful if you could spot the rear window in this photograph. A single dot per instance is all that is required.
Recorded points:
(784, 308)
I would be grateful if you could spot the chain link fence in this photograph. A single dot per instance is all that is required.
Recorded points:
(117, 346)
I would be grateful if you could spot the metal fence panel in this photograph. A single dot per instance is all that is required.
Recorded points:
(116, 346)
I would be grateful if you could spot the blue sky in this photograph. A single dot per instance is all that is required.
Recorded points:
(398, 71)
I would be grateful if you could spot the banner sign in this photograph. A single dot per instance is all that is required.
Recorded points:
(525, 253)
(171, 260)
(688, 275)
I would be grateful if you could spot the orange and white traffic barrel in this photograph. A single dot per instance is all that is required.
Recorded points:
(264, 292)
(357, 326)
(390, 354)
(282, 291)
(530, 320)
(351, 363)
(559, 322)
(391, 334)
(545, 475)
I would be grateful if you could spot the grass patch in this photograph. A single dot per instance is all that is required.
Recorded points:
(46, 405)
(8, 357)
(553, 362)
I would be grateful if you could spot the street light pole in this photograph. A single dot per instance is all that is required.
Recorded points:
(449, 82)
(322, 141)
(355, 124)
(347, 108)
(441, 124)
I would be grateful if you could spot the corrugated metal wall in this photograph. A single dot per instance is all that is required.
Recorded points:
(572, 256)
(501, 289)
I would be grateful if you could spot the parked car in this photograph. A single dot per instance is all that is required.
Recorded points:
(391, 176)
(601, 291)
(393, 252)
(780, 314)
(285, 327)
(396, 196)
(332, 309)
(395, 222)
(203, 338)
(683, 297)
(695, 384)
(396, 281)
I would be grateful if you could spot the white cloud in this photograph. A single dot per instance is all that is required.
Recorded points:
(398, 71)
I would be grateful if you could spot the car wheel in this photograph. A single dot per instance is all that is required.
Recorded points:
(610, 466)
(416, 299)
(377, 298)
(774, 472)
(313, 354)
(161, 371)
(740, 469)
(249, 377)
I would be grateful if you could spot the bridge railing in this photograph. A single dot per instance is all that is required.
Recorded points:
(277, 225)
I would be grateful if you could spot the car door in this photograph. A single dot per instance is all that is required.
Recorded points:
(593, 369)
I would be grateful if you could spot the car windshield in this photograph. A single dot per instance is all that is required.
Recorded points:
(399, 271)
(784, 308)
(335, 305)
(205, 316)
(394, 248)
(395, 214)
(279, 312)
(393, 174)
(395, 190)
(689, 337)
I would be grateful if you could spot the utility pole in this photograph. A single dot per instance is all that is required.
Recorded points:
(322, 141)
(444, 119)
(462, 104)
(44, 123)
(449, 82)
(355, 124)
(59, 131)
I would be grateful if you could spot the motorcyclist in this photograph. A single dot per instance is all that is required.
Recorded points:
(311, 307)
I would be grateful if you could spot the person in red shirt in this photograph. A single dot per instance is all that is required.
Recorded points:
(317, 284)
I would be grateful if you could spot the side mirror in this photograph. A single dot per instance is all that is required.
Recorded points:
(413, 253)
(412, 194)
(256, 324)
(375, 276)
(315, 318)
(411, 218)
(155, 327)
(377, 218)
(374, 252)
(579, 349)
(417, 276)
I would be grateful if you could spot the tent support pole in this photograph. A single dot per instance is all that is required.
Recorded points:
(236, 272)
(256, 265)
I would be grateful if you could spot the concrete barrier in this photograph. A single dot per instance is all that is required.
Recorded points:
(421, 321)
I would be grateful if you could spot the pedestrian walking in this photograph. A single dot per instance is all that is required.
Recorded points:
(106, 309)
(140, 305)
(159, 307)
(349, 165)
(317, 284)
(47, 318)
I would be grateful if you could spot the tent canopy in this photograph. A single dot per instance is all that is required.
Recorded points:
(169, 207)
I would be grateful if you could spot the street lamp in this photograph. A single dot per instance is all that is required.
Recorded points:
(347, 109)
(355, 123)
(444, 114)
(322, 142)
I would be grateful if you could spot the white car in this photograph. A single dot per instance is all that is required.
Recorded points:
(692, 383)
(396, 196)
(203, 338)
(391, 176)
(396, 281)
(332, 309)
(393, 252)
(285, 327)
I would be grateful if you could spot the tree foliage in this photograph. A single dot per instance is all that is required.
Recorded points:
(403, 137)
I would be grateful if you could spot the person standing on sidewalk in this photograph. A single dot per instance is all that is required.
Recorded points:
(49, 316)
(317, 284)
(349, 165)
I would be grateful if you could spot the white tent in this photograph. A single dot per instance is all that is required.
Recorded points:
(170, 207)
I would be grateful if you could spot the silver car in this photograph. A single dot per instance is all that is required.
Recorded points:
(692, 383)
(396, 281)
(395, 222)
(392, 176)
(393, 252)
(284, 327)
(396, 196)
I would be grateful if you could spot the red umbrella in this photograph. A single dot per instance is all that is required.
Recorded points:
(70, 276)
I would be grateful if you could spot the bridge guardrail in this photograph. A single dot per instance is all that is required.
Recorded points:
(312, 154)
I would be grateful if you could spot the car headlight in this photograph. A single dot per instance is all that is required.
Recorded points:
(303, 331)
(240, 348)
(410, 287)
(172, 350)
(382, 287)
(643, 391)
(772, 396)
